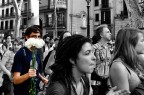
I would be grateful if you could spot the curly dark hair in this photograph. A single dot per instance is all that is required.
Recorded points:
(67, 49)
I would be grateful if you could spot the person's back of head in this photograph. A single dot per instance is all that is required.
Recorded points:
(64, 35)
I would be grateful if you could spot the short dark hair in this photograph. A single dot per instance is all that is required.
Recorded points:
(7, 36)
(34, 29)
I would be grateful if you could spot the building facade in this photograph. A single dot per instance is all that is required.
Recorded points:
(7, 18)
(111, 12)
(71, 15)
(56, 16)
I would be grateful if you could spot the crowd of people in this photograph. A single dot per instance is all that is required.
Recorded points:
(74, 64)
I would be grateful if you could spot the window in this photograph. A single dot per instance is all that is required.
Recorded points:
(105, 3)
(96, 17)
(50, 21)
(96, 2)
(125, 12)
(60, 19)
(2, 25)
(105, 17)
(6, 24)
(2, 13)
(3, 2)
(11, 24)
(12, 11)
(25, 6)
(7, 12)
(24, 21)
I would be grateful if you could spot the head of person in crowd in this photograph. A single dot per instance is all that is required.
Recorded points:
(8, 38)
(101, 33)
(64, 35)
(46, 38)
(74, 59)
(33, 32)
(8, 41)
(4, 47)
(129, 44)
(17, 45)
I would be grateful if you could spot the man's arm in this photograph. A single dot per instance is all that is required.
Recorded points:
(18, 79)
(44, 80)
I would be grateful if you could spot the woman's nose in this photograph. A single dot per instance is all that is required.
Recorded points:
(93, 57)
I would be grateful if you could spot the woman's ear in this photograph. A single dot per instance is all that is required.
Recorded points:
(72, 61)
(101, 35)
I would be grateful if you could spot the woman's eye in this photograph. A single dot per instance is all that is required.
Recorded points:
(87, 53)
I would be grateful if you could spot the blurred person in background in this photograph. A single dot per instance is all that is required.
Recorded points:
(125, 67)
(102, 51)
(6, 65)
(8, 41)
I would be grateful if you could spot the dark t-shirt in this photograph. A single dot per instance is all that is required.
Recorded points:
(22, 64)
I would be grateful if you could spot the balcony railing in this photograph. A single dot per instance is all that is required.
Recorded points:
(6, 4)
(7, 16)
(43, 8)
(105, 6)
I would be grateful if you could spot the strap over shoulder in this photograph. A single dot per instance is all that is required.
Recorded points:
(122, 61)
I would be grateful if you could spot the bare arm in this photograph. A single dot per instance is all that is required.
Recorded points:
(119, 76)
(18, 79)
(2, 66)
(44, 80)
(50, 62)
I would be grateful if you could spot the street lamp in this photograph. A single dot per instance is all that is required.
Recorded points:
(88, 20)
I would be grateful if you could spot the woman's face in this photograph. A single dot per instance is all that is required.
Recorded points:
(140, 44)
(8, 39)
(85, 62)
(67, 34)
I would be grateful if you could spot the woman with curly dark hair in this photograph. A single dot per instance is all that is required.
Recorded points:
(74, 59)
